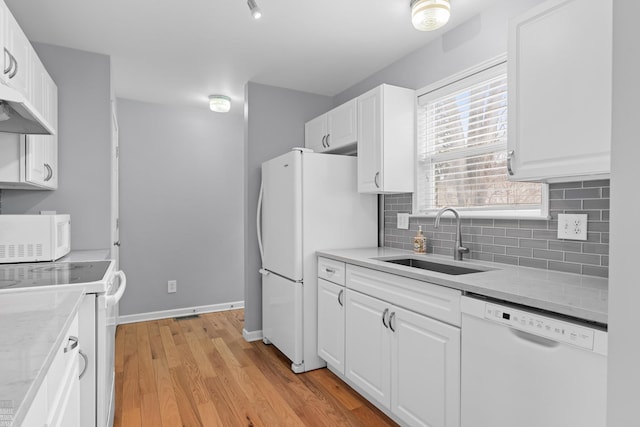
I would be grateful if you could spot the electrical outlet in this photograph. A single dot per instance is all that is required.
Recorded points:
(572, 226)
(172, 286)
(403, 221)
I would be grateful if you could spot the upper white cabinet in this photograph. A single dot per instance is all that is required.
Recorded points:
(44, 93)
(41, 156)
(333, 132)
(17, 51)
(28, 87)
(28, 162)
(559, 69)
(386, 140)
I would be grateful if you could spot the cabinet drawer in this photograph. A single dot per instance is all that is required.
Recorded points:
(431, 300)
(61, 364)
(333, 271)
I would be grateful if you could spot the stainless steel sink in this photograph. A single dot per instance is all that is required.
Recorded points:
(433, 266)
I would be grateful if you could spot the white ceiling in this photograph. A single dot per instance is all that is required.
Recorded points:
(179, 52)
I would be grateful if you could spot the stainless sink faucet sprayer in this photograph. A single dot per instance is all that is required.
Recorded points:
(458, 249)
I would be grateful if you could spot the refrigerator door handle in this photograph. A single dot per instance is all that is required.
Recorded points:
(259, 223)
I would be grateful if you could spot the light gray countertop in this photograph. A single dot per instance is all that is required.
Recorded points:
(580, 296)
(33, 327)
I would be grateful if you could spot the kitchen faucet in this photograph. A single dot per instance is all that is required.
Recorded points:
(458, 249)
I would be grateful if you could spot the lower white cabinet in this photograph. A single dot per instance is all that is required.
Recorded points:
(407, 362)
(368, 350)
(396, 340)
(425, 370)
(331, 320)
(57, 402)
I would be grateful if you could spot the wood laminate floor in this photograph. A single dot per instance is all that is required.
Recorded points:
(201, 372)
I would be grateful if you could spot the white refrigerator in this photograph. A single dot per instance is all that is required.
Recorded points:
(308, 202)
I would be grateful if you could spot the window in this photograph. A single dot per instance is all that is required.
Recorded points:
(462, 150)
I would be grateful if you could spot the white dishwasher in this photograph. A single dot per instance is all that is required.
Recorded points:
(527, 369)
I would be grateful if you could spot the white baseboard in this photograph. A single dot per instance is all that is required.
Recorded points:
(178, 312)
(252, 336)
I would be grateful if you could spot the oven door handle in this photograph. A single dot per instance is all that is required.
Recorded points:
(113, 299)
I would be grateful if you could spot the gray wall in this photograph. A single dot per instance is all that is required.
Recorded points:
(478, 39)
(531, 243)
(624, 292)
(84, 146)
(181, 183)
(274, 123)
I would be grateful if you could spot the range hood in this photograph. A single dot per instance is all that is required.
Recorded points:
(17, 115)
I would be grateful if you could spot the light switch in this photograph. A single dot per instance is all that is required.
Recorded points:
(572, 226)
(403, 221)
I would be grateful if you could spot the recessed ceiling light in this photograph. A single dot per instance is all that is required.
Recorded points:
(429, 15)
(219, 103)
(255, 10)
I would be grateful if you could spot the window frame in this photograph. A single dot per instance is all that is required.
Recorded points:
(492, 67)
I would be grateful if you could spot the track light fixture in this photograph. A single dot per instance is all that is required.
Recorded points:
(255, 10)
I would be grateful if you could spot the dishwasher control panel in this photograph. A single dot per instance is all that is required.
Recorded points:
(546, 327)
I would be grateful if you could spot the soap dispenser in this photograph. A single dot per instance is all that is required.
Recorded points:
(420, 242)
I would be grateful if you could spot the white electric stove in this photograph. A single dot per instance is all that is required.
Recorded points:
(97, 323)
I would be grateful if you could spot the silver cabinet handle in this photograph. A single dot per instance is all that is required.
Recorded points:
(393, 316)
(86, 364)
(329, 270)
(510, 155)
(7, 54)
(15, 66)
(72, 344)
(49, 172)
(384, 317)
(328, 136)
(323, 139)
(375, 179)
(340, 294)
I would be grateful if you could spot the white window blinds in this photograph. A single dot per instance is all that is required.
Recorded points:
(462, 148)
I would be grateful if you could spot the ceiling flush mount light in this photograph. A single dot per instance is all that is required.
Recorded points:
(219, 103)
(429, 15)
(255, 10)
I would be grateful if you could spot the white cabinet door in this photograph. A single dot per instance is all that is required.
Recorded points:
(315, 133)
(425, 370)
(16, 56)
(42, 160)
(331, 320)
(335, 131)
(386, 140)
(370, 178)
(559, 72)
(342, 129)
(367, 355)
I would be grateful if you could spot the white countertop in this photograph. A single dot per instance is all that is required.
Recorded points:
(580, 296)
(33, 327)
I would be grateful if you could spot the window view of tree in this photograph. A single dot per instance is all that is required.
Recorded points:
(462, 151)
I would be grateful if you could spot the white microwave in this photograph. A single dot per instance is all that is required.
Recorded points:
(31, 238)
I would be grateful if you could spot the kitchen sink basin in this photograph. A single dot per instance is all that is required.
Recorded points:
(433, 266)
